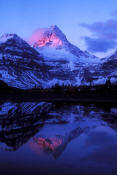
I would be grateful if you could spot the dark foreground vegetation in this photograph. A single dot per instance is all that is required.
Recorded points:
(92, 93)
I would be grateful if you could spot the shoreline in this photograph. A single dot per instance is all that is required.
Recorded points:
(37, 97)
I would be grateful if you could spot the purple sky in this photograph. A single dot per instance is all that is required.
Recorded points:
(89, 24)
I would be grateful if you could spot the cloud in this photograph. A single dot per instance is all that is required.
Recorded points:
(104, 35)
(106, 30)
(99, 45)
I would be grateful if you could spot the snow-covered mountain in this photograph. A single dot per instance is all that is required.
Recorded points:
(14, 48)
(68, 64)
(49, 59)
(109, 67)
(20, 65)
(53, 37)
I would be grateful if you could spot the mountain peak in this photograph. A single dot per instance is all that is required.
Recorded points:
(52, 37)
(7, 36)
(54, 27)
(12, 39)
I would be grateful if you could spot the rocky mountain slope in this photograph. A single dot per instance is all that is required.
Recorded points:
(20, 65)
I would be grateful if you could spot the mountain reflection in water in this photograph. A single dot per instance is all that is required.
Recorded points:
(81, 138)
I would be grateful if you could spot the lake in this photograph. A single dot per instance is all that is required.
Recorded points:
(58, 138)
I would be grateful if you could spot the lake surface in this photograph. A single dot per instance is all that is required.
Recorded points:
(52, 138)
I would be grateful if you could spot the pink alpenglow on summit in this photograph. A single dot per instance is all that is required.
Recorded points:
(52, 37)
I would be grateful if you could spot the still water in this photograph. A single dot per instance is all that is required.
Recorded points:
(40, 138)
